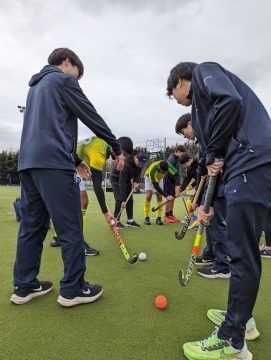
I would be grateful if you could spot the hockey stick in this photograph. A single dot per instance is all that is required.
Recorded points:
(131, 193)
(185, 277)
(131, 260)
(184, 204)
(163, 204)
(192, 180)
(180, 235)
(195, 223)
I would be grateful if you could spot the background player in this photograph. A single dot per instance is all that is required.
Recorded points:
(154, 183)
(172, 183)
(129, 178)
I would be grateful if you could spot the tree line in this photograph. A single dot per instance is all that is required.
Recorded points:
(9, 161)
(8, 167)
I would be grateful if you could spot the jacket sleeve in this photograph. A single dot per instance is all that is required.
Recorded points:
(202, 170)
(218, 88)
(177, 179)
(186, 182)
(97, 186)
(157, 188)
(77, 160)
(79, 104)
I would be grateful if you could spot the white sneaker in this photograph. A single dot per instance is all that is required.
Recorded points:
(230, 352)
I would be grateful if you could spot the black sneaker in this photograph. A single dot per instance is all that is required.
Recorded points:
(204, 261)
(120, 225)
(89, 294)
(147, 221)
(54, 241)
(132, 224)
(211, 273)
(89, 251)
(23, 295)
(159, 221)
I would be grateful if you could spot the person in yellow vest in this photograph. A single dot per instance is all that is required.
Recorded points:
(154, 183)
(94, 152)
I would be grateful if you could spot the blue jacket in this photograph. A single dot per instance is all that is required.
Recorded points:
(49, 137)
(229, 121)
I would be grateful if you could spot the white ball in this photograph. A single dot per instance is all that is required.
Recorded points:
(142, 256)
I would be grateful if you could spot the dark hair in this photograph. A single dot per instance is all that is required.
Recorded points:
(184, 158)
(180, 148)
(163, 165)
(126, 145)
(182, 122)
(183, 70)
(60, 54)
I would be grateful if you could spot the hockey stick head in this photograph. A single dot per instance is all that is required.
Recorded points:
(182, 279)
(153, 209)
(133, 259)
(179, 236)
(160, 206)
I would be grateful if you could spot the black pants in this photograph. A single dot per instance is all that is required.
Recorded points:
(169, 186)
(216, 236)
(248, 204)
(130, 203)
(50, 193)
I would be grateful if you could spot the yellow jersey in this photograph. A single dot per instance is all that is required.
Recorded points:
(94, 152)
(153, 173)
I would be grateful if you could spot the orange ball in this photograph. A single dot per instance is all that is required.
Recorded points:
(161, 302)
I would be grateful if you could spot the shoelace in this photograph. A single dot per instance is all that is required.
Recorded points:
(212, 341)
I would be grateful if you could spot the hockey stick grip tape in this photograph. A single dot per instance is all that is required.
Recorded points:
(209, 193)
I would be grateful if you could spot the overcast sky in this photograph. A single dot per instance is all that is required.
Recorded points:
(128, 48)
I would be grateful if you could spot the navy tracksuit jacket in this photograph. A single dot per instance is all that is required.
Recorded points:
(47, 162)
(231, 123)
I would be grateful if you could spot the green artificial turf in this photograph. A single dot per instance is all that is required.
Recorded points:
(124, 323)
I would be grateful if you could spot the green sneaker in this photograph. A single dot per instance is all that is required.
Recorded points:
(214, 348)
(218, 316)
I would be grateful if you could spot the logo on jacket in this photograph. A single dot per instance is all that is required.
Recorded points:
(207, 77)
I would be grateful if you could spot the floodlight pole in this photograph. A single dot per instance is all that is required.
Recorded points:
(21, 109)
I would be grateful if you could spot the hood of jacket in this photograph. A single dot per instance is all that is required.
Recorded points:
(47, 69)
